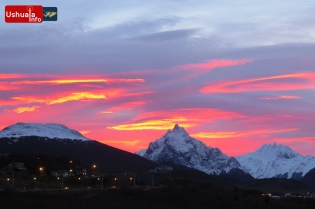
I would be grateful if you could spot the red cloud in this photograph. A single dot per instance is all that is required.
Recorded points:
(124, 106)
(272, 83)
(214, 64)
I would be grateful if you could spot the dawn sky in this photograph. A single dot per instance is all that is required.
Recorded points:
(235, 74)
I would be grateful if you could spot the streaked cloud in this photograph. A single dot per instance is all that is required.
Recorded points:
(233, 134)
(25, 109)
(76, 96)
(214, 64)
(163, 124)
(79, 81)
(122, 142)
(286, 82)
(164, 120)
(281, 97)
(123, 107)
(310, 139)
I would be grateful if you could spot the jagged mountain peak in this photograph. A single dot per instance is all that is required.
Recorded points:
(177, 146)
(48, 130)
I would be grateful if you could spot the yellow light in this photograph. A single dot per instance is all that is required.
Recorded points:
(94, 166)
(34, 178)
(130, 179)
(115, 179)
(70, 161)
(40, 168)
(98, 179)
(8, 179)
(79, 178)
(58, 178)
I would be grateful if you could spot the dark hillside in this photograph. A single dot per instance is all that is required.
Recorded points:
(309, 179)
(108, 159)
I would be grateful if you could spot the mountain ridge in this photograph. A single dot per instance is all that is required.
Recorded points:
(276, 161)
(178, 147)
(48, 130)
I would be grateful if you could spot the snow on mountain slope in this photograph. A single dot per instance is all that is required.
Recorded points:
(178, 147)
(276, 161)
(49, 130)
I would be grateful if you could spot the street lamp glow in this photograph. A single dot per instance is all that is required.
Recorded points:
(40, 168)
(34, 178)
(8, 179)
(94, 166)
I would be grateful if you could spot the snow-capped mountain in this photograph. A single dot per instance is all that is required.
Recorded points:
(178, 147)
(49, 130)
(276, 161)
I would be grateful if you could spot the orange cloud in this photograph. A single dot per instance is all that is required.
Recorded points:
(84, 132)
(82, 96)
(72, 81)
(122, 142)
(78, 96)
(25, 109)
(272, 83)
(281, 97)
(163, 120)
(153, 125)
(233, 134)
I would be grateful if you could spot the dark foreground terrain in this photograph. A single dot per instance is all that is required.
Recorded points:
(172, 196)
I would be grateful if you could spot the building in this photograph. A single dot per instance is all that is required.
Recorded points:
(60, 173)
(16, 167)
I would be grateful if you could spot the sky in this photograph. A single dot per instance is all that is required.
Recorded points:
(235, 74)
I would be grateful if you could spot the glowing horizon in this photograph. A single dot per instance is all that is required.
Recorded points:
(235, 78)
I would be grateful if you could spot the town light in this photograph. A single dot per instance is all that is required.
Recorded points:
(34, 178)
(79, 178)
(115, 179)
(130, 179)
(94, 166)
(70, 161)
(8, 179)
(40, 168)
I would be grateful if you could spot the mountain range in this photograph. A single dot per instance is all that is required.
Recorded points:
(269, 161)
(175, 147)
